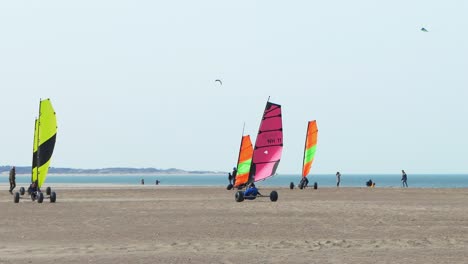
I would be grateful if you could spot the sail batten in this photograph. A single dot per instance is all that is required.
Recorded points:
(268, 144)
(310, 147)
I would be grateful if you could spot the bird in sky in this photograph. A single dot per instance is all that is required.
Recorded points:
(424, 30)
(220, 82)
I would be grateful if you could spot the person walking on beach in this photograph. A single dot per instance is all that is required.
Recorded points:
(12, 179)
(338, 179)
(404, 178)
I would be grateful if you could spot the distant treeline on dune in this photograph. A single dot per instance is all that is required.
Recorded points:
(117, 170)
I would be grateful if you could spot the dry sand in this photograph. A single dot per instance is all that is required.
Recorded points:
(150, 224)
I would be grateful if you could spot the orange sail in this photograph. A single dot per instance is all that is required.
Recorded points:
(244, 161)
(310, 147)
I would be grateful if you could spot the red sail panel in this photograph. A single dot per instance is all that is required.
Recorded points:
(310, 147)
(244, 162)
(269, 144)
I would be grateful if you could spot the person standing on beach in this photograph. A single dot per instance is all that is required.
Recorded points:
(230, 178)
(12, 179)
(404, 178)
(234, 174)
(338, 179)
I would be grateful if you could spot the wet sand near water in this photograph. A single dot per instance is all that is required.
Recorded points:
(157, 224)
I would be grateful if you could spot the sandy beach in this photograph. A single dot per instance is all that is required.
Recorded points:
(156, 224)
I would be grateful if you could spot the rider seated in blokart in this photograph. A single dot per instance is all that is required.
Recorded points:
(304, 183)
(33, 188)
(251, 192)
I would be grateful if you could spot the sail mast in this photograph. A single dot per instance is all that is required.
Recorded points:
(38, 141)
(240, 147)
(251, 172)
(34, 156)
(305, 148)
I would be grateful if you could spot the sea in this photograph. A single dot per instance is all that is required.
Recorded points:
(279, 180)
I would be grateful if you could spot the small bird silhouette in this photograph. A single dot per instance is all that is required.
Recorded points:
(218, 80)
(424, 30)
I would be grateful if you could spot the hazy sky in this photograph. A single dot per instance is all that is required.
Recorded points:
(132, 82)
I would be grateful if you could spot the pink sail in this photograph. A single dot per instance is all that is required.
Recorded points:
(269, 144)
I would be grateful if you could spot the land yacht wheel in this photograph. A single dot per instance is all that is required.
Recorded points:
(273, 196)
(53, 197)
(16, 198)
(239, 196)
(40, 197)
(291, 185)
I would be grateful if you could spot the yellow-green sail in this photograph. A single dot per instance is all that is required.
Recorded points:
(45, 132)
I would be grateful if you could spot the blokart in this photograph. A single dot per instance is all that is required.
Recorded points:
(45, 133)
(240, 197)
(36, 195)
(301, 185)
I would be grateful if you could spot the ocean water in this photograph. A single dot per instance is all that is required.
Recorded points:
(323, 180)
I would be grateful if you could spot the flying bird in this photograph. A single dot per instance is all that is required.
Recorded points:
(218, 80)
(424, 30)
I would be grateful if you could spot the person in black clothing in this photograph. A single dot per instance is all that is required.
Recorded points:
(404, 178)
(338, 179)
(12, 179)
(304, 182)
(230, 178)
(33, 188)
(234, 174)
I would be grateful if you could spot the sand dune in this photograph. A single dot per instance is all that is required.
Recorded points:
(154, 224)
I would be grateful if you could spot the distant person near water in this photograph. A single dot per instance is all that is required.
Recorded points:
(12, 179)
(338, 179)
(404, 179)
(234, 174)
(230, 178)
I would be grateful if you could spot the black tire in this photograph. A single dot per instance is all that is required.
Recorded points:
(274, 196)
(53, 197)
(315, 185)
(22, 191)
(301, 185)
(16, 197)
(291, 185)
(229, 187)
(239, 196)
(48, 191)
(40, 197)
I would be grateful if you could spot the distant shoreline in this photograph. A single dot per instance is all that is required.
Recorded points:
(26, 170)
(119, 174)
